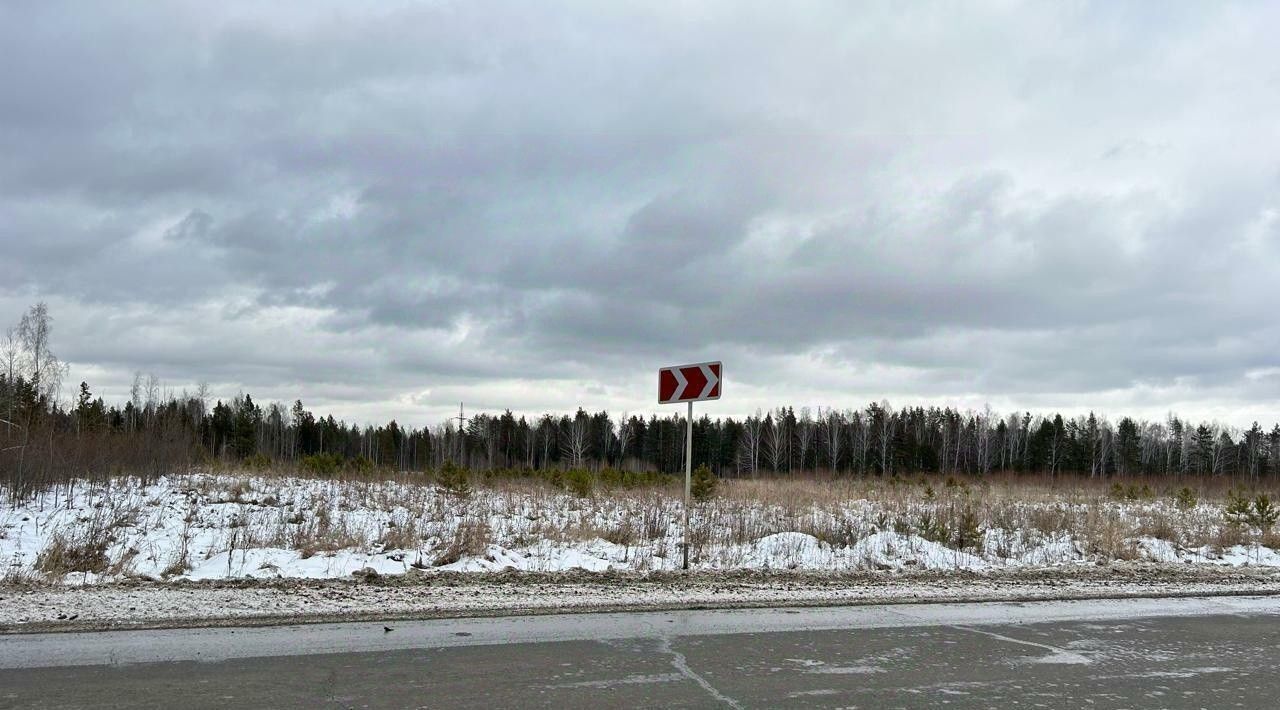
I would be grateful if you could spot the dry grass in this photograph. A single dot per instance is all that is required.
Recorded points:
(406, 512)
(471, 539)
(1105, 518)
(64, 555)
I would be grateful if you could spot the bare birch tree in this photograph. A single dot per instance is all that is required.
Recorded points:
(626, 431)
(34, 332)
(576, 442)
(751, 430)
(775, 442)
(804, 435)
(11, 360)
(888, 424)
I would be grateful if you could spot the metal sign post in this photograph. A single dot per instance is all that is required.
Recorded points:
(688, 481)
(688, 383)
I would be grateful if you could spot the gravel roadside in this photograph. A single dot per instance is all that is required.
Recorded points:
(149, 604)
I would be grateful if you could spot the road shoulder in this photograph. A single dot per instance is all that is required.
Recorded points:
(146, 604)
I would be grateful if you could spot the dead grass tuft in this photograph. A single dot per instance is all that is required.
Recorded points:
(65, 555)
(470, 539)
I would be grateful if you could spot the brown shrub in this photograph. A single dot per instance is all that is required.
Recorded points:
(400, 534)
(470, 539)
(1108, 535)
(1229, 536)
(1162, 526)
(625, 533)
(64, 555)
(1051, 520)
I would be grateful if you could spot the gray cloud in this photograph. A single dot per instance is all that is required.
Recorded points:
(384, 209)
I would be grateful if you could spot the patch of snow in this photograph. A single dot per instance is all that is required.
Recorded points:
(1158, 550)
(891, 550)
(786, 550)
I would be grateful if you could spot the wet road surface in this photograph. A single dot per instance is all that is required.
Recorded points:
(1184, 653)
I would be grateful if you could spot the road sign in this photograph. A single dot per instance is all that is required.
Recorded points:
(689, 383)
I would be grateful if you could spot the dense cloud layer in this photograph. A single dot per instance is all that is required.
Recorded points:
(385, 209)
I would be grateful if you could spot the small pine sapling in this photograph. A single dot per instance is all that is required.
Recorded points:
(579, 482)
(1264, 513)
(1237, 511)
(454, 479)
(932, 527)
(1185, 498)
(703, 483)
(968, 532)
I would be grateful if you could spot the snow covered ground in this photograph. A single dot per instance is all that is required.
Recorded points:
(217, 527)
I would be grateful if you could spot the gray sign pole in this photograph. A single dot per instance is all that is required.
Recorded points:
(688, 479)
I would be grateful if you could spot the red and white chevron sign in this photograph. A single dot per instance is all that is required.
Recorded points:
(689, 383)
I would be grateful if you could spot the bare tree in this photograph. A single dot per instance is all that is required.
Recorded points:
(34, 331)
(1217, 450)
(859, 440)
(530, 445)
(1106, 446)
(1151, 441)
(606, 439)
(804, 435)
(832, 430)
(135, 398)
(546, 432)
(888, 424)
(626, 432)
(1013, 435)
(1186, 447)
(441, 451)
(11, 354)
(11, 360)
(983, 436)
(576, 443)
(775, 444)
(202, 396)
(153, 397)
(751, 430)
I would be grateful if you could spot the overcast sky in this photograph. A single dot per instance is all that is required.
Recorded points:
(384, 208)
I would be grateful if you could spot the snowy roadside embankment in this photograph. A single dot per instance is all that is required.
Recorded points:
(217, 527)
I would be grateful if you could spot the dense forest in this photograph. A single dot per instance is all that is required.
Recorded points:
(46, 438)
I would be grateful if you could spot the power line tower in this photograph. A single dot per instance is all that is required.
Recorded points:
(462, 440)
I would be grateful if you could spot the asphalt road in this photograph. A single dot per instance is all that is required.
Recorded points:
(1188, 653)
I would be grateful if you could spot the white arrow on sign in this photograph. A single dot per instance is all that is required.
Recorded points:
(712, 380)
(681, 382)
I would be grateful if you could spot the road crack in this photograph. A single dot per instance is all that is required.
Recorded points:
(680, 664)
(1056, 655)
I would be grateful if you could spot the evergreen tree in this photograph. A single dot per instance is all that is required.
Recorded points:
(1128, 447)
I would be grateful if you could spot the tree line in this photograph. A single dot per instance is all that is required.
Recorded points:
(47, 439)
